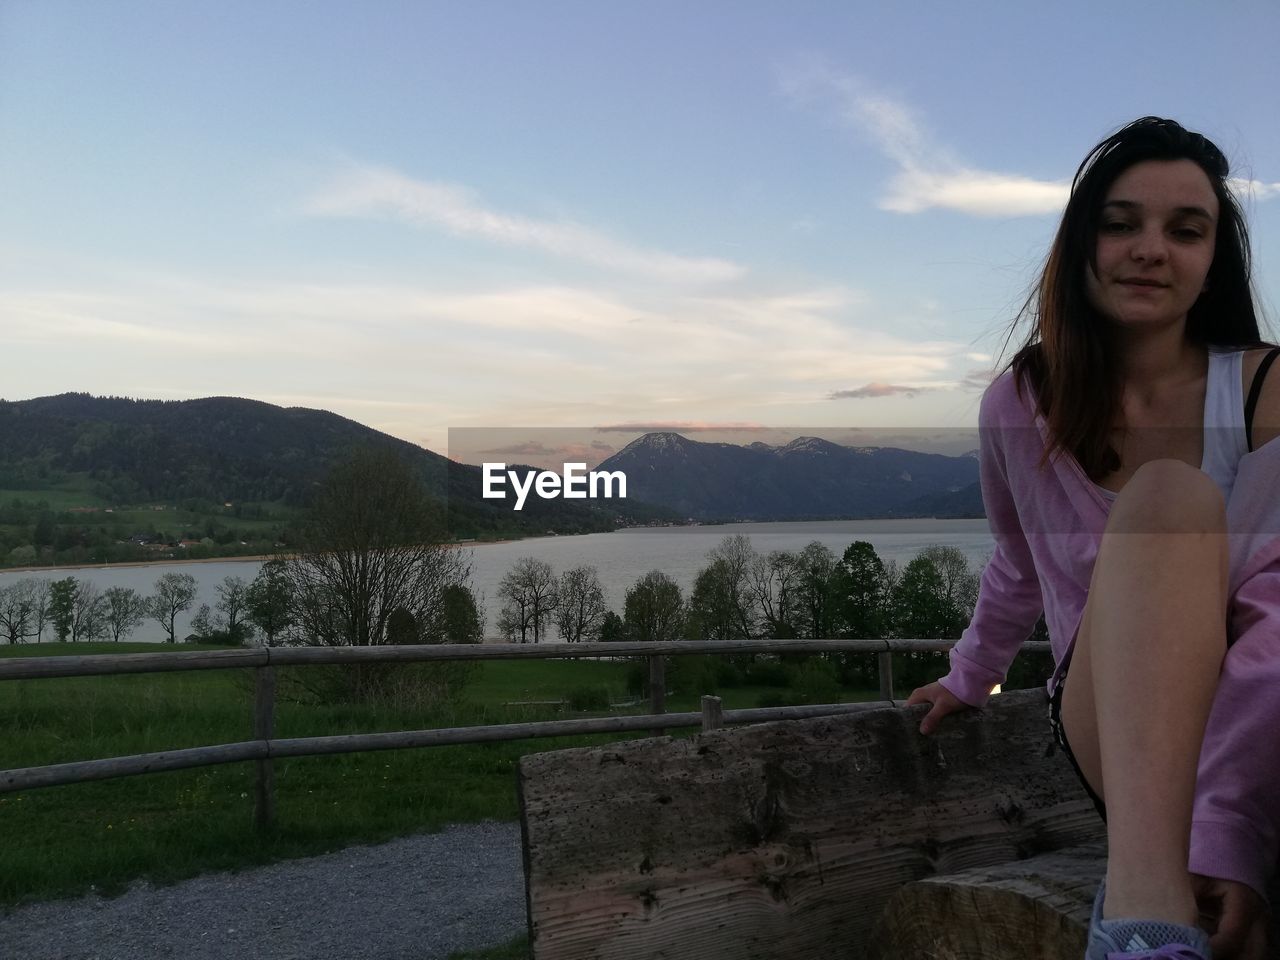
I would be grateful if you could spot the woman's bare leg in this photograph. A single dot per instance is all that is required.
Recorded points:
(1143, 677)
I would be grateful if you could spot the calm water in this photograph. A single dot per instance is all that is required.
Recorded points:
(621, 557)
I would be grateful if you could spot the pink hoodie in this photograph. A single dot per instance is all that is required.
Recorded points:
(1047, 524)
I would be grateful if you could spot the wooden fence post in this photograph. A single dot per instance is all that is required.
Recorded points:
(712, 714)
(657, 690)
(886, 675)
(264, 724)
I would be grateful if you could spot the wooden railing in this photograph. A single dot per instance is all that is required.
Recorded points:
(265, 748)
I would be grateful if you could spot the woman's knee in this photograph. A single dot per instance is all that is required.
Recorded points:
(1169, 496)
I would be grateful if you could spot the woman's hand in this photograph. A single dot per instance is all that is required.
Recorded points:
(943, 700)
(1237, 918)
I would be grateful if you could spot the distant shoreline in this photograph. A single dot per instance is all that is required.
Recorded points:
(261, 558)
(250, 558)
(133, 563)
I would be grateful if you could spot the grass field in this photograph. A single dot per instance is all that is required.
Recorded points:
(61, 841)
(515, 950)
(73, 493)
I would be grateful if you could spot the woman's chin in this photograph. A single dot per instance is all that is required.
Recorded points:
(1142, 321)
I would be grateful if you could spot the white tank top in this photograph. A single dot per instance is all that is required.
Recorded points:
(1224, 438)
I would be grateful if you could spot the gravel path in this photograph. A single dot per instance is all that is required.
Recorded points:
(419, 898)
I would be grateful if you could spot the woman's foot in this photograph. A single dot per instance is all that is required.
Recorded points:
(1123, 939)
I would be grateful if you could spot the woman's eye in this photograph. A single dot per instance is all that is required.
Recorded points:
(1114, 226)
(1188, 233)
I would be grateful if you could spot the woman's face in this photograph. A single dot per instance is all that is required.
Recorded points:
(1155, 242)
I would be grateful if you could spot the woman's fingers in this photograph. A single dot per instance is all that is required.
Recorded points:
(943, 701)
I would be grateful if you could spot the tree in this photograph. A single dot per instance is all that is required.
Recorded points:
(204, 627)
(815, 566)
(713, 612)
(654, 608)
(269, 601)
(924, 606)
(580, 607)
(959, 583)
(371, 545)
(40, 605)
(612, 628)
(62, 598)
(402, 628)
(722, 606)
(528, 595)
(736, 558)
(861, 592)
(45, 531)
(233, 602)
(175, 593)
(23, 556)
(17, 612)
(773, 583)
(919, 604)
(461, 621)
(87, 613)
(123, 610)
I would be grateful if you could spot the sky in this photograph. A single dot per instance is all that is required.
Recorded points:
(596, 217)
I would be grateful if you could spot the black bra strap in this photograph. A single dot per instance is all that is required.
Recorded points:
(1254, 390)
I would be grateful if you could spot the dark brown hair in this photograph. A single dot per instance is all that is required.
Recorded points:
(1069, 357)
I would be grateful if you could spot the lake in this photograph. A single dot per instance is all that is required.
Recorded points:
(621, 557)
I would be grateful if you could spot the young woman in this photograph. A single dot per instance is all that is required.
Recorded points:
(1109, 449)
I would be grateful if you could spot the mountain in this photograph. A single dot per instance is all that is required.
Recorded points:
(227, 449)
(215, 449)
(265, 460)
(808, 478)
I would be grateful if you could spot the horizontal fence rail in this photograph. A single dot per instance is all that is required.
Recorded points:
(31, 668)
(265, 660)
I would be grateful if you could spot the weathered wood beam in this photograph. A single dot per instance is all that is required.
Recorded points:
(32, 668)
(783, 840)
(1034, 909)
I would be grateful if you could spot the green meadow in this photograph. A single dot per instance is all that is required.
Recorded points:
(63, 841)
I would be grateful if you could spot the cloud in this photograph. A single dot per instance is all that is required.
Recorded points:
(682, 426)
(977, 379)
(56, 318)
(416, 360)
(928, 174)
(1254, 189)
(376, 192)
(535, 448)
(877, 390)
(975, 192)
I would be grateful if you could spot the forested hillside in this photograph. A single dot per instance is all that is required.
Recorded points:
(97, 479)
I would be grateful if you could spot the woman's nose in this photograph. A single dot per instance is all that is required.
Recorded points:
(1148, 246)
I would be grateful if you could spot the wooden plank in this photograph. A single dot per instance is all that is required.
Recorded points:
(108, 664)
(657, 690)
(31, 668)
(292, 656)
(783, 840)
(885, 663)
(264, 728)
(1034, 909)
(27, 778)
(490, 733)
(712, 713)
